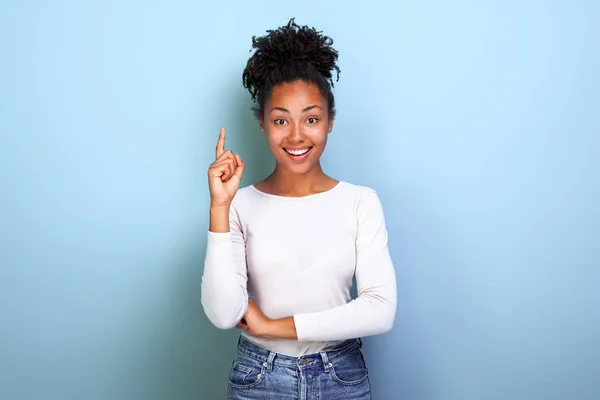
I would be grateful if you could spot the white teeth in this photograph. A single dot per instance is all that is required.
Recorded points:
(298, 152)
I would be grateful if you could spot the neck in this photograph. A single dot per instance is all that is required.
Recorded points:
(284, 183)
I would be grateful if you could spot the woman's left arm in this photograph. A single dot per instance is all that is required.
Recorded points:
(372, 312)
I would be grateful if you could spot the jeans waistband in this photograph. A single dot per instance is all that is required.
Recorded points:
(270, 358)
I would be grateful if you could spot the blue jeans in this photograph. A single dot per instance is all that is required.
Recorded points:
(339, 373)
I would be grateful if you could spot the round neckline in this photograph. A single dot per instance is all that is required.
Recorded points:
(296, 198)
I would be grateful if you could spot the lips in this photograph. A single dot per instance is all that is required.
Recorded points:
(298, 153)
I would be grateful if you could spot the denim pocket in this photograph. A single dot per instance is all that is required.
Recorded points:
(349, 370)
(246, 373)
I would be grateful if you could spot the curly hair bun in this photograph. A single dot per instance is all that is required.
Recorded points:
(288, 53)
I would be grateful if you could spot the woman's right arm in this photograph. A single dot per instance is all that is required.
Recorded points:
(224, 294)
(224, 281)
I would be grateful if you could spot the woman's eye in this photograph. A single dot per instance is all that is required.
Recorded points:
(312, 120)
(279, 121)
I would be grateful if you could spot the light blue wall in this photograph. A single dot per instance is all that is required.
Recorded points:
(477, 122)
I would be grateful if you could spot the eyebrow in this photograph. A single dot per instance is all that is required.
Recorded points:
(285, 110)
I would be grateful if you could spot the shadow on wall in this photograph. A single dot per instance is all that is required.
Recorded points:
(182, 355)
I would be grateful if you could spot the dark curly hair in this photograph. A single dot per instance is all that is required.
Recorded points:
(287, 54)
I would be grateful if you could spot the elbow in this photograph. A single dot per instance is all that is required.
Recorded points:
(385, 319)
(388, 310)
(224, 316)
(387, 322)
(224, 313)
(221, 322)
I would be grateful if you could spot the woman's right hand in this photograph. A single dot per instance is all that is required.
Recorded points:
(224, 175)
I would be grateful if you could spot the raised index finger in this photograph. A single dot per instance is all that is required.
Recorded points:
(221, 143)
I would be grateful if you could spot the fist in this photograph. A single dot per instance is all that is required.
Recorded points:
(224, 174)
(254, 321)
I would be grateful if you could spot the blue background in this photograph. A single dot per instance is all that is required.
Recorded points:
(476, 121)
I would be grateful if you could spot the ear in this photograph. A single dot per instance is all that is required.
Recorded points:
(261, 123)
(330, 127)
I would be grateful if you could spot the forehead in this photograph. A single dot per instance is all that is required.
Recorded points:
(298, 94)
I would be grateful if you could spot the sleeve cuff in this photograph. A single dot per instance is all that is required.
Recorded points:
(302, 325)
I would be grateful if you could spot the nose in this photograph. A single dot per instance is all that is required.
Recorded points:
(296, 134)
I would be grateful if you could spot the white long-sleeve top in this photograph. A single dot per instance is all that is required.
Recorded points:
(297, 256)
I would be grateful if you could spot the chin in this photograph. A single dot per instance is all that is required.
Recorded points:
(299, 169)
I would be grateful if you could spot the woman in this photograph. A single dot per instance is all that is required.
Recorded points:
(282, 253)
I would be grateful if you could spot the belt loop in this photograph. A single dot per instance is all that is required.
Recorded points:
(326, 364)
(359, 342)
(269, 363)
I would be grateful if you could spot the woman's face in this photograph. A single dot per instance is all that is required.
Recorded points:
(296, 123)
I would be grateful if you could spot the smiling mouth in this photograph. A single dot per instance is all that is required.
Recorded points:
(298, 152)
